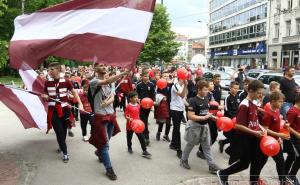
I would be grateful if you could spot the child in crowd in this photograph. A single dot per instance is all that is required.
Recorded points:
(197, 130)
(85, 118)
(274, 87)
(243, 94)
(271, 122)
(248, 133)
(232, 102)
(132, 112)
(292, 162)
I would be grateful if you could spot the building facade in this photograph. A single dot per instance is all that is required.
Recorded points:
(182, 53)
(196, 46)
(284, 35)
(238, 32)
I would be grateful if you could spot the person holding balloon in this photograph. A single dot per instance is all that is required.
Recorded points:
(197, 130)
(132, 112)
(162, 110)
(232, 102)
(272, 123)
(292, 162)
(145, 89)
(178, 93)
(249, 132)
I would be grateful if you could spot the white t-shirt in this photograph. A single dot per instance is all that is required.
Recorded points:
(177, 103)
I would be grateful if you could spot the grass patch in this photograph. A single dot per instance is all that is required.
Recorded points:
(7, 80)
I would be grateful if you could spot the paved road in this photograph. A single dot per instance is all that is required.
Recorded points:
(28, 157)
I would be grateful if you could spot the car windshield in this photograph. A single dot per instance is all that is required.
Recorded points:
(224, 76)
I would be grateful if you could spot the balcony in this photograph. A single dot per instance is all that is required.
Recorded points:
(293, 38)
(275, 40)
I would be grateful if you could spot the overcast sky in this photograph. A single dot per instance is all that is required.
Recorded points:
(186, 14)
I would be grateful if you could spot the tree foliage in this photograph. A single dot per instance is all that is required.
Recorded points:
(160, 44)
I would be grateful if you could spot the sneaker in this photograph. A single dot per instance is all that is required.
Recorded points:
(70, 133)
(130, 150)
(223, 179)
(166, 138)
(146, 154)
(179, 154)
(185, 164)
(111, 174)
(66, 158)
(200, 154)
(85, 138)
(173, 147)
(213, 169)
(58, 151)
(293, 180)
(158, 136)
(221, 146)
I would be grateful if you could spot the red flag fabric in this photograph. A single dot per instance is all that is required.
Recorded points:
(113, 31)
(28, 107)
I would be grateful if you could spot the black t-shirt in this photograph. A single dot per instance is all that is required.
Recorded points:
(217, 93)
(191, 87)
(146, 90)
(232, 103)
(288, 88)
(200, 106)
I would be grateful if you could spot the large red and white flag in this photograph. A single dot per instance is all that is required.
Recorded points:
(28, 107)
(114, 31)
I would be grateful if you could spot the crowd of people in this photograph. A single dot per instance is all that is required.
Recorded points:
(103, 90)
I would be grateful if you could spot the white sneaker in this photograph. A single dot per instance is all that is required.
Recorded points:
(85, 138)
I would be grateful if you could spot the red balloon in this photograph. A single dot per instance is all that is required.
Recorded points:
(219, 114)
(147, 103)
(138, 126)
(161, 83)
(182, 73)
(269, 146)
(151, 73)
(225, 124)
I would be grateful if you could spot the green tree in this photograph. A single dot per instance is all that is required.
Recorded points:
(3, 6)
(160, 44)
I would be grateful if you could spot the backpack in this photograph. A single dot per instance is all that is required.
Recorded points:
(91, 96)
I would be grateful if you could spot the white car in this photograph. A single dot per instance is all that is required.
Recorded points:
(226, 69)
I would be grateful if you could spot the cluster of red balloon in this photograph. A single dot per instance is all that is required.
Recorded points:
(137, 125)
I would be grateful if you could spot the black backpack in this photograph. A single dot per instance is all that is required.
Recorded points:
(91, 96)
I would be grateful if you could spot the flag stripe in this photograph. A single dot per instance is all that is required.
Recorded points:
(109, 50)
(14, 104)
(123, 23)
(34, 106)
(100, 4)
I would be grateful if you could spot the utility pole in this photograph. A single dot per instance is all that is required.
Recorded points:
(23, 6)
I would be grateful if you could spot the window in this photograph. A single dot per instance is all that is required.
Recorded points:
(253, 75)
(277, 30)
(288, 28)
(298, 25)
(264, 79)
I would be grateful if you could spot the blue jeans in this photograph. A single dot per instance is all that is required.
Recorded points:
(285, 108)
(104, 152)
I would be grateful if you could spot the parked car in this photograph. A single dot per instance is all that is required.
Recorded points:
(254, 73)
(225, 80)
(226, 69)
